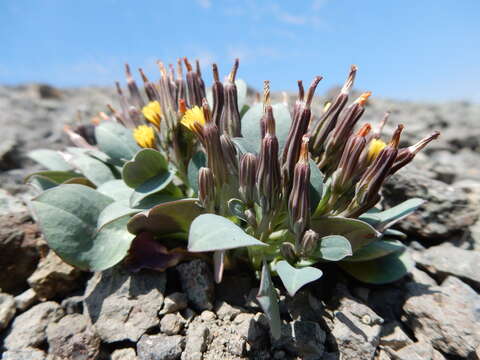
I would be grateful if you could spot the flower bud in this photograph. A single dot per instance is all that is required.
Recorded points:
(206, 189)
(194, 90)
(218, 97)
(299, 200)
(323, 126)
(133, 89)
(230, 120)
(181, 85)
(230, 155)
(288, 252)
(150, 89)
(268, 174)
(309, 242)
(248, 172)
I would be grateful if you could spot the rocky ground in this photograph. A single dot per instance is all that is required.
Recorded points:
(49, 310)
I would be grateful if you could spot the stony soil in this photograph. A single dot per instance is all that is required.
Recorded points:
(48, 310)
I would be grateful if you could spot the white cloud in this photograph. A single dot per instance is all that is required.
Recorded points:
(206, 4)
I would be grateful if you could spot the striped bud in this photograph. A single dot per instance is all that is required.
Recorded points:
(309, 243)
(206, 189)
(248, 171)
(288, 252)
(230, 155)
(230, 120)
(218, 97)
(135, 95)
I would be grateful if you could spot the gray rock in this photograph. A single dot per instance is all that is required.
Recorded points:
(53, 277)
(121, 305)
(73, 338)
(251, 327)
(29, 329)
(160, 347)
(196, 343)
(24, 354)
(171, 324)
(124, 354)
(303, 338)
(304, 306)
(73, 304)
(174, 302)
(356, 328)
(197, 283)
(448, 316)
(446, 211)
(26, 299)
(208, 315)
(422, 277)
(393, 336)
(441, 261)
(416, 351)
(7, 310)
(225, 311)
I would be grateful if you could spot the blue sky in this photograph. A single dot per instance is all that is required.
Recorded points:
(407, 49)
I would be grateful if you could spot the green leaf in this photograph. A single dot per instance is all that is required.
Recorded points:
(150, 187)
(251, 124)
(359, 233)
(94, 170)
(382, 270)
(57, 177)
(237, 208)
(267, 298)
(384, 219)
(147, 164)
(395, 233)
(293, 279)
(334, 248)
(117, 190)
(50, 159)
(244, 146)
(376, 249)
(196, 162)
(68, 217)
(167, 218)
(41, 183)
(316, 185)
(116, 141)
(210, 232)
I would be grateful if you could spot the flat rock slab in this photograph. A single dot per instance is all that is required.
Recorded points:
(122, 305)
(160, 347)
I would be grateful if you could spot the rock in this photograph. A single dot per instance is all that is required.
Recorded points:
(174, 302)
(73, 338)
(53, 277)
(121, 305)
(446, 211)
(421, 277)
(304, 338)
(73, 305)
(356, 327)
(196, 343)
(208, 315)
(171, 324)
(19, 244)
(160, 347)
(7, 310)
(251, 327)
(393, 336)
(416, 351)
(197, 283)
(29, 329)
(124, 354)
(24, 354)
(304, 306)
(448, 316)
(26, 299)
(9, 154)
(441, 261)
(225, 311)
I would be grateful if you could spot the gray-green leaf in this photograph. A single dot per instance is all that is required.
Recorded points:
(267, 298)
(293, 279)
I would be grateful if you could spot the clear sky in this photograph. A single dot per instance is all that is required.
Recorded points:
(408, 49)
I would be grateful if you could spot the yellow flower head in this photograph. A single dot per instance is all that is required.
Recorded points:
(144, 136)
(153, 113)
(193, 116)
(376, 145)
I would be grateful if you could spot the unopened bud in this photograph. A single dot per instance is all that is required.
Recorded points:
(309, 242)
(230, 154)
(133, 89)
(248, 171)
(194, 91)
(230, 120)
(218, 97)
(288, 252)
(206, 189)
(215, 156)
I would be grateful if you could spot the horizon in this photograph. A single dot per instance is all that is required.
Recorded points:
(404, 51)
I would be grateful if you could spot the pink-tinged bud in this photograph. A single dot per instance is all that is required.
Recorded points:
(180, 83)
(339, 136)
(230, 120)
(206, 189)
(288, 252)
(247, 178)
(194, 89)
(168, 98)
(309, 243)
(299, 199)
(150, 89)
(368, 187)
(377, 131)
(406, 155)
(218, 97)
(266, 102)
(230, 155)
(133, 89)
(298, 129)
(200, 82)
(327, 122)
(125, 116)
(268, 175)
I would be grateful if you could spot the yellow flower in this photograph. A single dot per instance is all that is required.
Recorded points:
(193, 116)
(144, 136)
(153, 113)
(376, 145)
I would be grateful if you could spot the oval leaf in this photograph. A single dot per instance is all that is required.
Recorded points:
(210, 232)
(116, 141)
(94, 170)
(376, 249)
(383, 270)
(293, 279)
(50, 159)
(359, 233)
(334, 248)
(147, 164)
(198, 161)
(68, 216)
